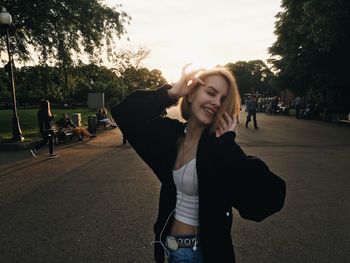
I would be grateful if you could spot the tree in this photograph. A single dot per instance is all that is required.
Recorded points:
(128, 66)
(142, 78)
(252, 76)
(38, 82)
(42, 81)
(128, 58)
(155, 79)
(5, 94)
(57, 30)
(311, 51)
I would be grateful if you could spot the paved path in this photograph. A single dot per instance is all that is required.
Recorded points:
(98, 201)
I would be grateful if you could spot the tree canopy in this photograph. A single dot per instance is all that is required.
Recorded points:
(42, 81)
(311, 52)
(57, 30)
(253, 76)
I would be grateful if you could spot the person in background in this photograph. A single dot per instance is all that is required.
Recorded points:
(251, 105)
(298, 105)
(45, 127)
(67, 125)
(202, 170)
(103, 119)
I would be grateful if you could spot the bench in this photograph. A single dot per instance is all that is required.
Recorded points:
(60, 135)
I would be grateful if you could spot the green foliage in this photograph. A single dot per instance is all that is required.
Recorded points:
(253, 76)
(142, 78)
(311, 51)
(41, 81)
(128, 66)
(5, 94)
(58, 29)
(92, 78)
(35, 83)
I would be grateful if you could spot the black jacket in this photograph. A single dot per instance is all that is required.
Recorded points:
(44, 121)
(227, 177)
(66, 123)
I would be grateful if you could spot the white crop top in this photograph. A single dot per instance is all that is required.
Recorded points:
(186, 182)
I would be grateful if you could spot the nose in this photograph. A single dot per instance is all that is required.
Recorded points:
(217, 101)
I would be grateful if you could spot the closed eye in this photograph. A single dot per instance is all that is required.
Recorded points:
(211, 91)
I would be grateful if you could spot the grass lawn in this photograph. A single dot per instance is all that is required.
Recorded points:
(29, 123)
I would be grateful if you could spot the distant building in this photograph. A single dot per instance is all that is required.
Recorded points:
(96, 100)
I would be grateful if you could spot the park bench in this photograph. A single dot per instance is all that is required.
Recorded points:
(61, 135)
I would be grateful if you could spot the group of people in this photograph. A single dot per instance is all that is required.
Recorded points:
(45, 122)
(66, 125)
(306, 110)
(269, 105)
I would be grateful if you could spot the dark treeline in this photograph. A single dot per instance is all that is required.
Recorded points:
(37, 82)
(309, 58)
(72, 86)
(311, 53)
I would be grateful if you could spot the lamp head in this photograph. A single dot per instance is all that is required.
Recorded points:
(5, 17)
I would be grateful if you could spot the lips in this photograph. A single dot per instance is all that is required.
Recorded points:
(210, 111)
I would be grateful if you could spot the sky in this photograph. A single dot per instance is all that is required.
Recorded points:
(204, 33)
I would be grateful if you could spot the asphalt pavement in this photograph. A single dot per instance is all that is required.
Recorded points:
(98, 201)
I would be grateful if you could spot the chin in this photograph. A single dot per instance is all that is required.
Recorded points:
(206, 120)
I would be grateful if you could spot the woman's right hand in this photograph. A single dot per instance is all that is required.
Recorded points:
(185, 84)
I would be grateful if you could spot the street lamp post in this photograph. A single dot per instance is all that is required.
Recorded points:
(5, 22)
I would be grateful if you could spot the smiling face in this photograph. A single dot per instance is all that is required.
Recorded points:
(206, 104)
(206, 100)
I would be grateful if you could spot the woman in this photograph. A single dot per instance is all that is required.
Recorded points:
(44, 120)
(102, 118)
(203, 172)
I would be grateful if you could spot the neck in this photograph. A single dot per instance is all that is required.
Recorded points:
(194, 131)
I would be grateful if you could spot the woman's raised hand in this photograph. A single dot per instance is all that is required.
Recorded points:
(227, 123)
(185, 84)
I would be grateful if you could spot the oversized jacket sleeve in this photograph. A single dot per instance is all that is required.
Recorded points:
(254, 190)
(138, 117)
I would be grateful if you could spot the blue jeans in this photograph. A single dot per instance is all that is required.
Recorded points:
(185, 255)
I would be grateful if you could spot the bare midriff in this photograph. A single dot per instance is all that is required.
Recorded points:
(179, 228)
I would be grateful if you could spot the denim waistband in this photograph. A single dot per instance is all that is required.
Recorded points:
(182, 241)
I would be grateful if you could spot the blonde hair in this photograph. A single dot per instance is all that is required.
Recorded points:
(230, 104)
